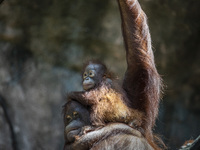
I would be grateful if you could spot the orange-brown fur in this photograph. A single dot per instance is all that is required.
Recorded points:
(114, 136)
(109, 106)
(142, 84)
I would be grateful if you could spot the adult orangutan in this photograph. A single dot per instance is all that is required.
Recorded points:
(141, 85)
(114, 136)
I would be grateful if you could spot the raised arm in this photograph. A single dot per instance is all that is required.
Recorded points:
(81, 98)
(141, 81)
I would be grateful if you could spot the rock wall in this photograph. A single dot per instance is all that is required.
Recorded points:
(44, 43)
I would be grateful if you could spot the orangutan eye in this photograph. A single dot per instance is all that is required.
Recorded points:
(68, 118)
(75, 113)
(91, 73)
(85, 75)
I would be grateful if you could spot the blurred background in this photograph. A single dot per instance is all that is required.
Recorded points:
(43, 45)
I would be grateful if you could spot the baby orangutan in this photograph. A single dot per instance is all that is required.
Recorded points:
(107, 101)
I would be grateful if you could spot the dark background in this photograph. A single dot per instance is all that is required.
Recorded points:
(43, 45)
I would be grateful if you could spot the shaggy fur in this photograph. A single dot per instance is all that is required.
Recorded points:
(114, 136)
(108, 105)
(142, 84)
